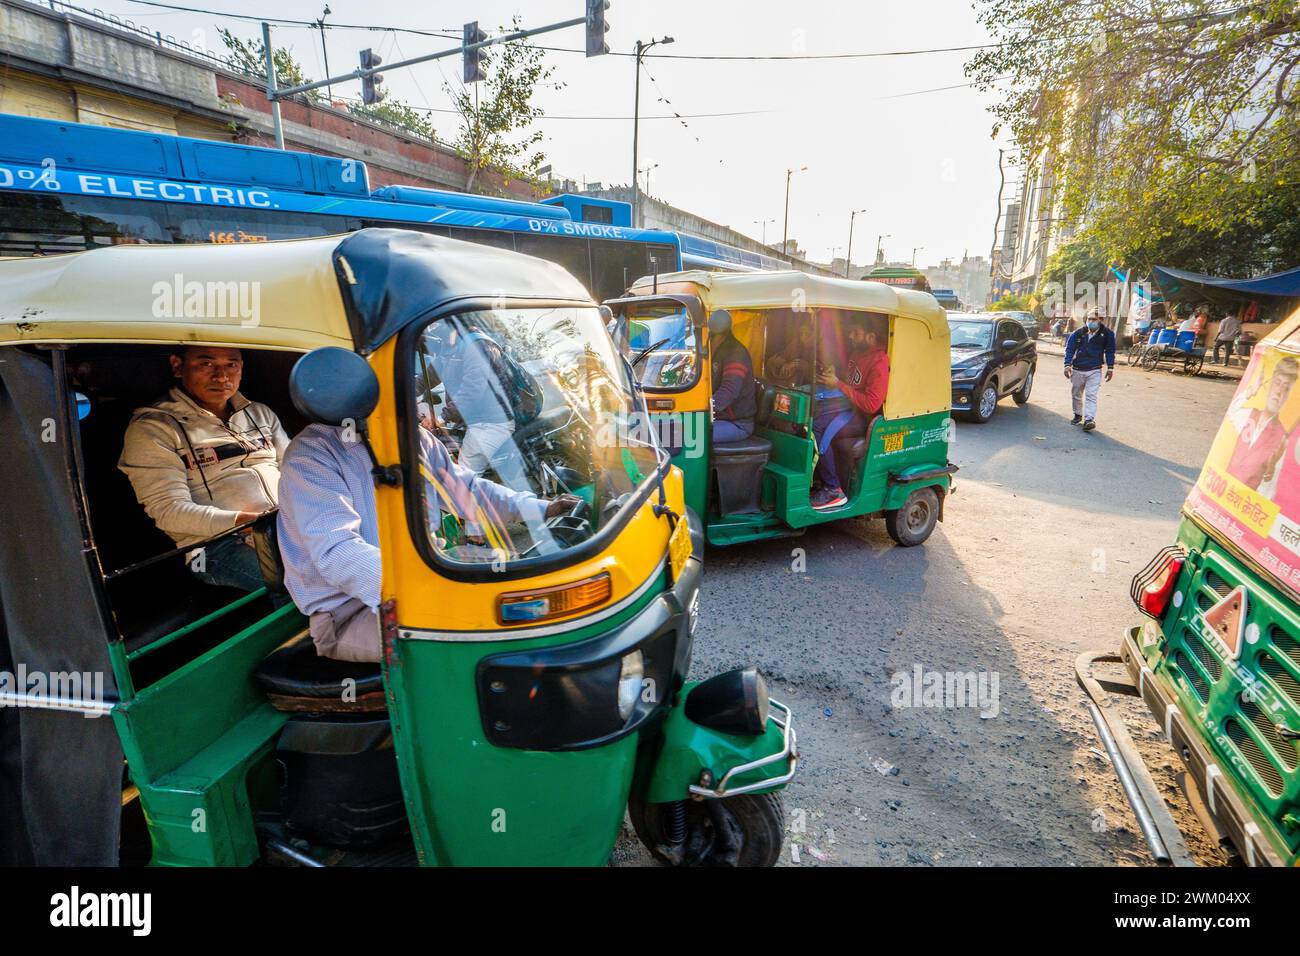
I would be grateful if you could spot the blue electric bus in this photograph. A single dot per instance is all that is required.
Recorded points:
(69, 186)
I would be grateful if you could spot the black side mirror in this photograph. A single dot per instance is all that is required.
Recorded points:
(1009, 344)
(331, 386)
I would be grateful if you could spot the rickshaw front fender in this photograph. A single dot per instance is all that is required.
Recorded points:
(689, 749)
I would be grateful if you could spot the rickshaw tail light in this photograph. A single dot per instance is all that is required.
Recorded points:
(1155, 596)
(542, 604)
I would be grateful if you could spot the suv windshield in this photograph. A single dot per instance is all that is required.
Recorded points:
(971, 334)
(519, 407)
(674, 363)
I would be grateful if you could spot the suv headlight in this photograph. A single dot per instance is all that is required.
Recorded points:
(968, 371)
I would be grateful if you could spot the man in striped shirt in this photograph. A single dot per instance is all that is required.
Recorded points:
(329, 529)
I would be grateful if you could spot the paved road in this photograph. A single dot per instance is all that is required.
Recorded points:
(1031, 566)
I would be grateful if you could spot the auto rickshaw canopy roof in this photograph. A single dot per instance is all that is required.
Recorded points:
(781, 290)
(920, 382)
(355, 290)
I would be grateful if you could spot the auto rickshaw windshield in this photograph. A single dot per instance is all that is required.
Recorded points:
(667, 331)
(519, 407)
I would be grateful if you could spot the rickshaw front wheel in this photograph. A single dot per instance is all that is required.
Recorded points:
(911, 524)
(746, 830)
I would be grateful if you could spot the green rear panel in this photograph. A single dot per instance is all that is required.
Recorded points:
(1237, 705)
(472, 803)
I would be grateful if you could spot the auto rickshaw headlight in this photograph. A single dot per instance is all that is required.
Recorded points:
(630, 676)
(734, 702)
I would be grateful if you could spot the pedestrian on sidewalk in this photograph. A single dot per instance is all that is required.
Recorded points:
(1229, 329)
(1086, 350)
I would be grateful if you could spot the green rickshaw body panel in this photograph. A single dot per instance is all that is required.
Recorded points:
(200, 746)
(689, 748)
(472, 803)
(1235, 706)
(693, 430)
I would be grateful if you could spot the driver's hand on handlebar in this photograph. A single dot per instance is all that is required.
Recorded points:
(562, 505)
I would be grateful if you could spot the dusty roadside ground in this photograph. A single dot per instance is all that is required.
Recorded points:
(1030, 567)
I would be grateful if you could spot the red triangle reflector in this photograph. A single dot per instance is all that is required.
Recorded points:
(1227, 619)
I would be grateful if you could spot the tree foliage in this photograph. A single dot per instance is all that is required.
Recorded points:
(1173, 126)
(497, 114)
(250, 56)
(395, 113)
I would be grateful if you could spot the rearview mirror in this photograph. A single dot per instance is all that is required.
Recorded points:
(331, 386)
(1009, 344)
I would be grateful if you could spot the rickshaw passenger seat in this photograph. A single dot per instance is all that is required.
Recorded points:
(738, 469)
(849, 451)
(297, 679)
(266, 543)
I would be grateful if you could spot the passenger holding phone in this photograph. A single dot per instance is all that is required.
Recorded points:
(845, 406)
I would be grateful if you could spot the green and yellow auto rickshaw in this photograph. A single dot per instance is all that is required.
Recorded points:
(1217, 660)
(793, 324)
(533, 678)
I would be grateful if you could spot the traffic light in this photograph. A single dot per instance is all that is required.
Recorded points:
(597, 27)
(472, 34)
(370, 91)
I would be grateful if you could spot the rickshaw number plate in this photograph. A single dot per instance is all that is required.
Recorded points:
(679, 547)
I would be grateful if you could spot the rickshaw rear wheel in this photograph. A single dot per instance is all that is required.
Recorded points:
(747, 830)
(911, 524)
(1151, 358)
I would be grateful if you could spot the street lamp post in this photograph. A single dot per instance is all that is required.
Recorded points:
(641, 49)
(329, 90)
(879, 239)
(848, 256)
(763, 223)
(647, 170)
(915, 250)
(785, 232)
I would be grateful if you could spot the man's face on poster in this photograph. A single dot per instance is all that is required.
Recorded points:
(1279, 389)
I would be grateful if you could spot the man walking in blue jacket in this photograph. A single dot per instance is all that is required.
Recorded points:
(1085, 352)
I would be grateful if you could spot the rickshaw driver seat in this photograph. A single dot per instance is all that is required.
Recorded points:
(738, 469)
(298, 680)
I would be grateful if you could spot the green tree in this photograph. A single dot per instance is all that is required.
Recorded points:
(395, 113)
(1173, 126)
(496, 131)
(250, 57)
(1021, 302)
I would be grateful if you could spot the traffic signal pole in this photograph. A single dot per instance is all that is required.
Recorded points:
(271, 92)
(275, 95)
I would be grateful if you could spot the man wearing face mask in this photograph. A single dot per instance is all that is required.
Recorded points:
(1086, 350)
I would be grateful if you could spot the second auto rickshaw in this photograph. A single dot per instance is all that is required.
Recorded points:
(793, 324)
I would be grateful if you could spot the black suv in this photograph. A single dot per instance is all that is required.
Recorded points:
(992, 357)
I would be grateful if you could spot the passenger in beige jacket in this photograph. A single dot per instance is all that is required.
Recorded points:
(204, 460)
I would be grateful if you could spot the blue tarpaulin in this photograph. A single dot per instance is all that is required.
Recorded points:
(1180, 282)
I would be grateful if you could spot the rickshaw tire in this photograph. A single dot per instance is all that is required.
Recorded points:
(759, 817)
(907, 534)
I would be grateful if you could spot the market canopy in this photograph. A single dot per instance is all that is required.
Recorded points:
(1181, 282)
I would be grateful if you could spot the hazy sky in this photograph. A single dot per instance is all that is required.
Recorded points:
(923, 166)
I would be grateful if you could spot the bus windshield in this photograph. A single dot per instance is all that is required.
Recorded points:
(529, 438)
(667, 331)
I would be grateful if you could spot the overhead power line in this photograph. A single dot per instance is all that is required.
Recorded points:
(447, 33)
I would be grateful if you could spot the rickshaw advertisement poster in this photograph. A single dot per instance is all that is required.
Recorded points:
(1249, 489)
